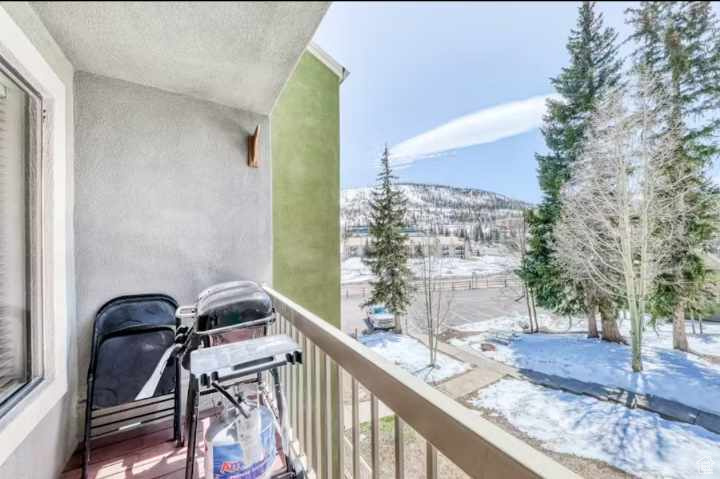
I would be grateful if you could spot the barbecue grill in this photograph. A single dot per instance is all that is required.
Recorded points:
(226, 345)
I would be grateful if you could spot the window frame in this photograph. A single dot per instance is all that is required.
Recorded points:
(54, 196)
(35, 230)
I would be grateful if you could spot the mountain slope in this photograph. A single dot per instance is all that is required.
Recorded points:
(440, 209)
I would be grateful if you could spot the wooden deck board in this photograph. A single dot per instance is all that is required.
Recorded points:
(150, 456)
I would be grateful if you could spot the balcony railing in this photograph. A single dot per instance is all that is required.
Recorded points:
(316, 406)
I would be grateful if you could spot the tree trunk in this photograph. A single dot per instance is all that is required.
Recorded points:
(608, 316)
(591, 309)
(679, 335)
(692, 321)
(534, 311)
(592, 312)
(527, 303)
(636, 341)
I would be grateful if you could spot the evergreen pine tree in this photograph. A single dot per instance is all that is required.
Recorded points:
(594, 68)
(387, 255)
(679, 43)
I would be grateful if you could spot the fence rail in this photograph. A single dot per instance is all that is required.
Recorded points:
(317, 403)
(488, 282)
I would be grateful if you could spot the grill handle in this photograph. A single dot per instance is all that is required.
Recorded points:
(186, 313)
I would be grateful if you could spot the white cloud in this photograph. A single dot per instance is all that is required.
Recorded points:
(484, 126)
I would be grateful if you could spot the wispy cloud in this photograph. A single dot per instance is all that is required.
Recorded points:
(484, 126)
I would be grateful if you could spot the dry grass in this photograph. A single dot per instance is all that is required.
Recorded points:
(415, 453)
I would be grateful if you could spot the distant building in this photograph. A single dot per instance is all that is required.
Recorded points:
(447, 246)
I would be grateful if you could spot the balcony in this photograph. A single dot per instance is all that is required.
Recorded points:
(327, 397)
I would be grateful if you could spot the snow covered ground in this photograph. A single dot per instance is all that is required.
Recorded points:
(413, 356)
(682, 377)
(636, 441)
(518, 322)
(354, 271)
(707, 343)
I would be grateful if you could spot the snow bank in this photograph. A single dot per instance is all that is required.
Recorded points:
(413, 356)
(636, 441)
(669, 374)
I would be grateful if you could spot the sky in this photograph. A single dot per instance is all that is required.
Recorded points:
(456, 90)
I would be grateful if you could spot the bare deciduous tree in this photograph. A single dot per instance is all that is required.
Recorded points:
(432, 312)
(520, 247)
(620, 210)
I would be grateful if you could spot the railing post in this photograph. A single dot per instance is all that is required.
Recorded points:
(337, 423)
(399, 448)
(297, 392)
(322, 421)
(355, 430)
(431, 458)
(314, 406)
(307, 406)
(375, 437)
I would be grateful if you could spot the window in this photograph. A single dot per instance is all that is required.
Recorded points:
(19, 365)
(46, 207)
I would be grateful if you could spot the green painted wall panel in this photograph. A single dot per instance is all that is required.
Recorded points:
(305, 132)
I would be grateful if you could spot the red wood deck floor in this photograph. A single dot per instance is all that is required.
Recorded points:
(148, 456)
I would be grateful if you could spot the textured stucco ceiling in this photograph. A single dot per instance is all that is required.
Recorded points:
(237, 53)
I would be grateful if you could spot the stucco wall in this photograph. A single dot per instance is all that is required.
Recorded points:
(306, 189)
(44, 452)
(165, 201)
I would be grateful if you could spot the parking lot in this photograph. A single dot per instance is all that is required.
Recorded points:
(468, 305)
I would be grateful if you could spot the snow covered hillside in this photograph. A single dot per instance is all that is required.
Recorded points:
(436, 208)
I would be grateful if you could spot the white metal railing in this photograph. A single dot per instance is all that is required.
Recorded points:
(316, 411)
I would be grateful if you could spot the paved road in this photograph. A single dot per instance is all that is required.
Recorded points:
(468, 306)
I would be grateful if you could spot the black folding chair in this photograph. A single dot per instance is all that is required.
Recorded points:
(131, 360)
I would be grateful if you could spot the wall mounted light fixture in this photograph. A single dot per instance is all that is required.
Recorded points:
(253, 148)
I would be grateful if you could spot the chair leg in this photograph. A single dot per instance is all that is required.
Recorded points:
(88, 425)
(191, 426)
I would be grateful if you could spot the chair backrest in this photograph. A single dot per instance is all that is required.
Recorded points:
(130, 336)
(140, 310)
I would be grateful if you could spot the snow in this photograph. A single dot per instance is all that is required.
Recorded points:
(518, 322)
(354, 271)
(707, 343)
(478, 265)
(437, 205)
(413, 356)
(636, 441)
(682, 377)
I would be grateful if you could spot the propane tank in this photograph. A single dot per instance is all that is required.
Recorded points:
(238, 447)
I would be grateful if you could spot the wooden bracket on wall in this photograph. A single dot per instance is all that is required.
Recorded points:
(253, 149)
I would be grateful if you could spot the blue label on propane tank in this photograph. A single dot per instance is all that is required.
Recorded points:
(228, 459)
(227, 466)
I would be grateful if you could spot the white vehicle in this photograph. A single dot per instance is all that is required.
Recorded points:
(380, 317)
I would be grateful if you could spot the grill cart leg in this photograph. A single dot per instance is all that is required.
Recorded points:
(191, 426)
(177, 428)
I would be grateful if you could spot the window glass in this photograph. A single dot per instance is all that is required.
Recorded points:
(15, 334)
